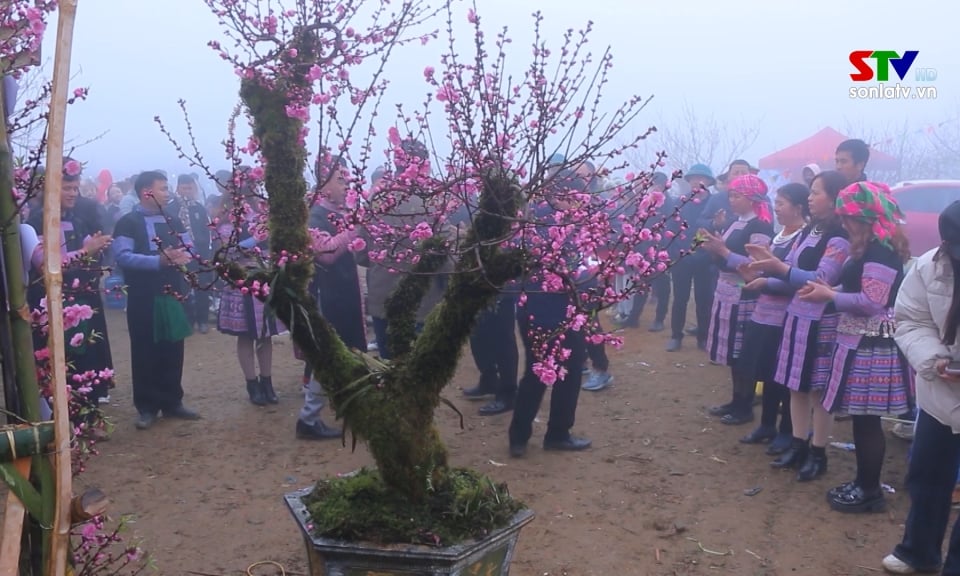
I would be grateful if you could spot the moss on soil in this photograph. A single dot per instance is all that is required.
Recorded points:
(461, 505)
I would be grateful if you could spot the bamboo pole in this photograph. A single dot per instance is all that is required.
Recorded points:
(20, 327)
(53, 278)
(18, 442)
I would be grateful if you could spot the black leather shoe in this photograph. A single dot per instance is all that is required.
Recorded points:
(318, 431)
(266, 387)
(721, 410)
(255, 392)
(569, 444)
(181, 413)
(856, 501)
(737, 418)
(495, 407)
(518, 450)
(780, 444)
(794, 456)
(145, 420)
(478, 392)
(759, 435)
(814, 466)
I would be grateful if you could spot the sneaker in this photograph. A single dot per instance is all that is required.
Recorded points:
(657, 326)
(597, 381)
(145, 420)
(203, 328)
(674, 344)
(103, 399)
(894, 565)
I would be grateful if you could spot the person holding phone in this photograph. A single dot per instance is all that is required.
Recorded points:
(927, 313)
(733, 303)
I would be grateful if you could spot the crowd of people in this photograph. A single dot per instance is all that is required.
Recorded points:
(805, 290)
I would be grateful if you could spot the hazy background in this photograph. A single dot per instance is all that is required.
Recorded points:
(779, 66)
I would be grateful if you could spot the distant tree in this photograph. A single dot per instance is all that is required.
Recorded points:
(698, 137)
(924, 152)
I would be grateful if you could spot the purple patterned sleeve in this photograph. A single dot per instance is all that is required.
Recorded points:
(735, 261)
(777, 286)
(874, 294)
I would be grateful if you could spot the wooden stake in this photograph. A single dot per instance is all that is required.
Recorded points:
(10, 537)
(53, 279)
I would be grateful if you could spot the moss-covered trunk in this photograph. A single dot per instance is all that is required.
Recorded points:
(392, 408)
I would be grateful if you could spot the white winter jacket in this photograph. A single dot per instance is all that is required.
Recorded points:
(922, 307)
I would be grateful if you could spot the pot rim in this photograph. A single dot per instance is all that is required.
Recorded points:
(294, 502)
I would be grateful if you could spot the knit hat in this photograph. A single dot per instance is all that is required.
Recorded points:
(950, 229)
(701, 170)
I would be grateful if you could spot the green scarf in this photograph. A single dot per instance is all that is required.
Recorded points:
(170, 322)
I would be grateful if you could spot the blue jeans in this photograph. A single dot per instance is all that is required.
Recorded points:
(931, 478)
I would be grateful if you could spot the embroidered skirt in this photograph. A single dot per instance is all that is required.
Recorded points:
(805, 357)
(243, 315)
(870, 377)
(727, 325)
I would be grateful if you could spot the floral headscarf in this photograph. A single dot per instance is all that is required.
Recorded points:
(872, 203)
(754, 189)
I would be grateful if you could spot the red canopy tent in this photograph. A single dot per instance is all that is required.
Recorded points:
(820, 149)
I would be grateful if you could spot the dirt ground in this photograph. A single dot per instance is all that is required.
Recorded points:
(661, 493)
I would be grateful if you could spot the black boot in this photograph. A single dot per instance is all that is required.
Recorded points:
(255, 391)
(266, 386)
(814, 466)
(794, 456)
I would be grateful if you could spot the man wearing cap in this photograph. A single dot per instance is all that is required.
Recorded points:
(692, 272)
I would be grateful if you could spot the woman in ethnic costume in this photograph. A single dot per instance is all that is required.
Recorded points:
(806, 350)
(765, 329)
(732, 305)
(246, 317)
(870, 377)
(81, 246)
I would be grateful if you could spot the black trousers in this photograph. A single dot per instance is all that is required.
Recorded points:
(660, 286)
(931, 478)
(563, 398)
(493, 344)
(157, 367)
(699, 275)
(597, 353)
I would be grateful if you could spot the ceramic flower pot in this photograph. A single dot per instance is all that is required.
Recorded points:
(488, 557)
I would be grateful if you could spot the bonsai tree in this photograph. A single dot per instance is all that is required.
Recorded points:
(490, 129)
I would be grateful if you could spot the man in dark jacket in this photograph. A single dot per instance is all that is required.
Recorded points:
(692, 272)
(192, 211)
(547, 311)
(336, 285)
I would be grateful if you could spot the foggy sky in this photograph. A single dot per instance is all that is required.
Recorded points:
(782, 62)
